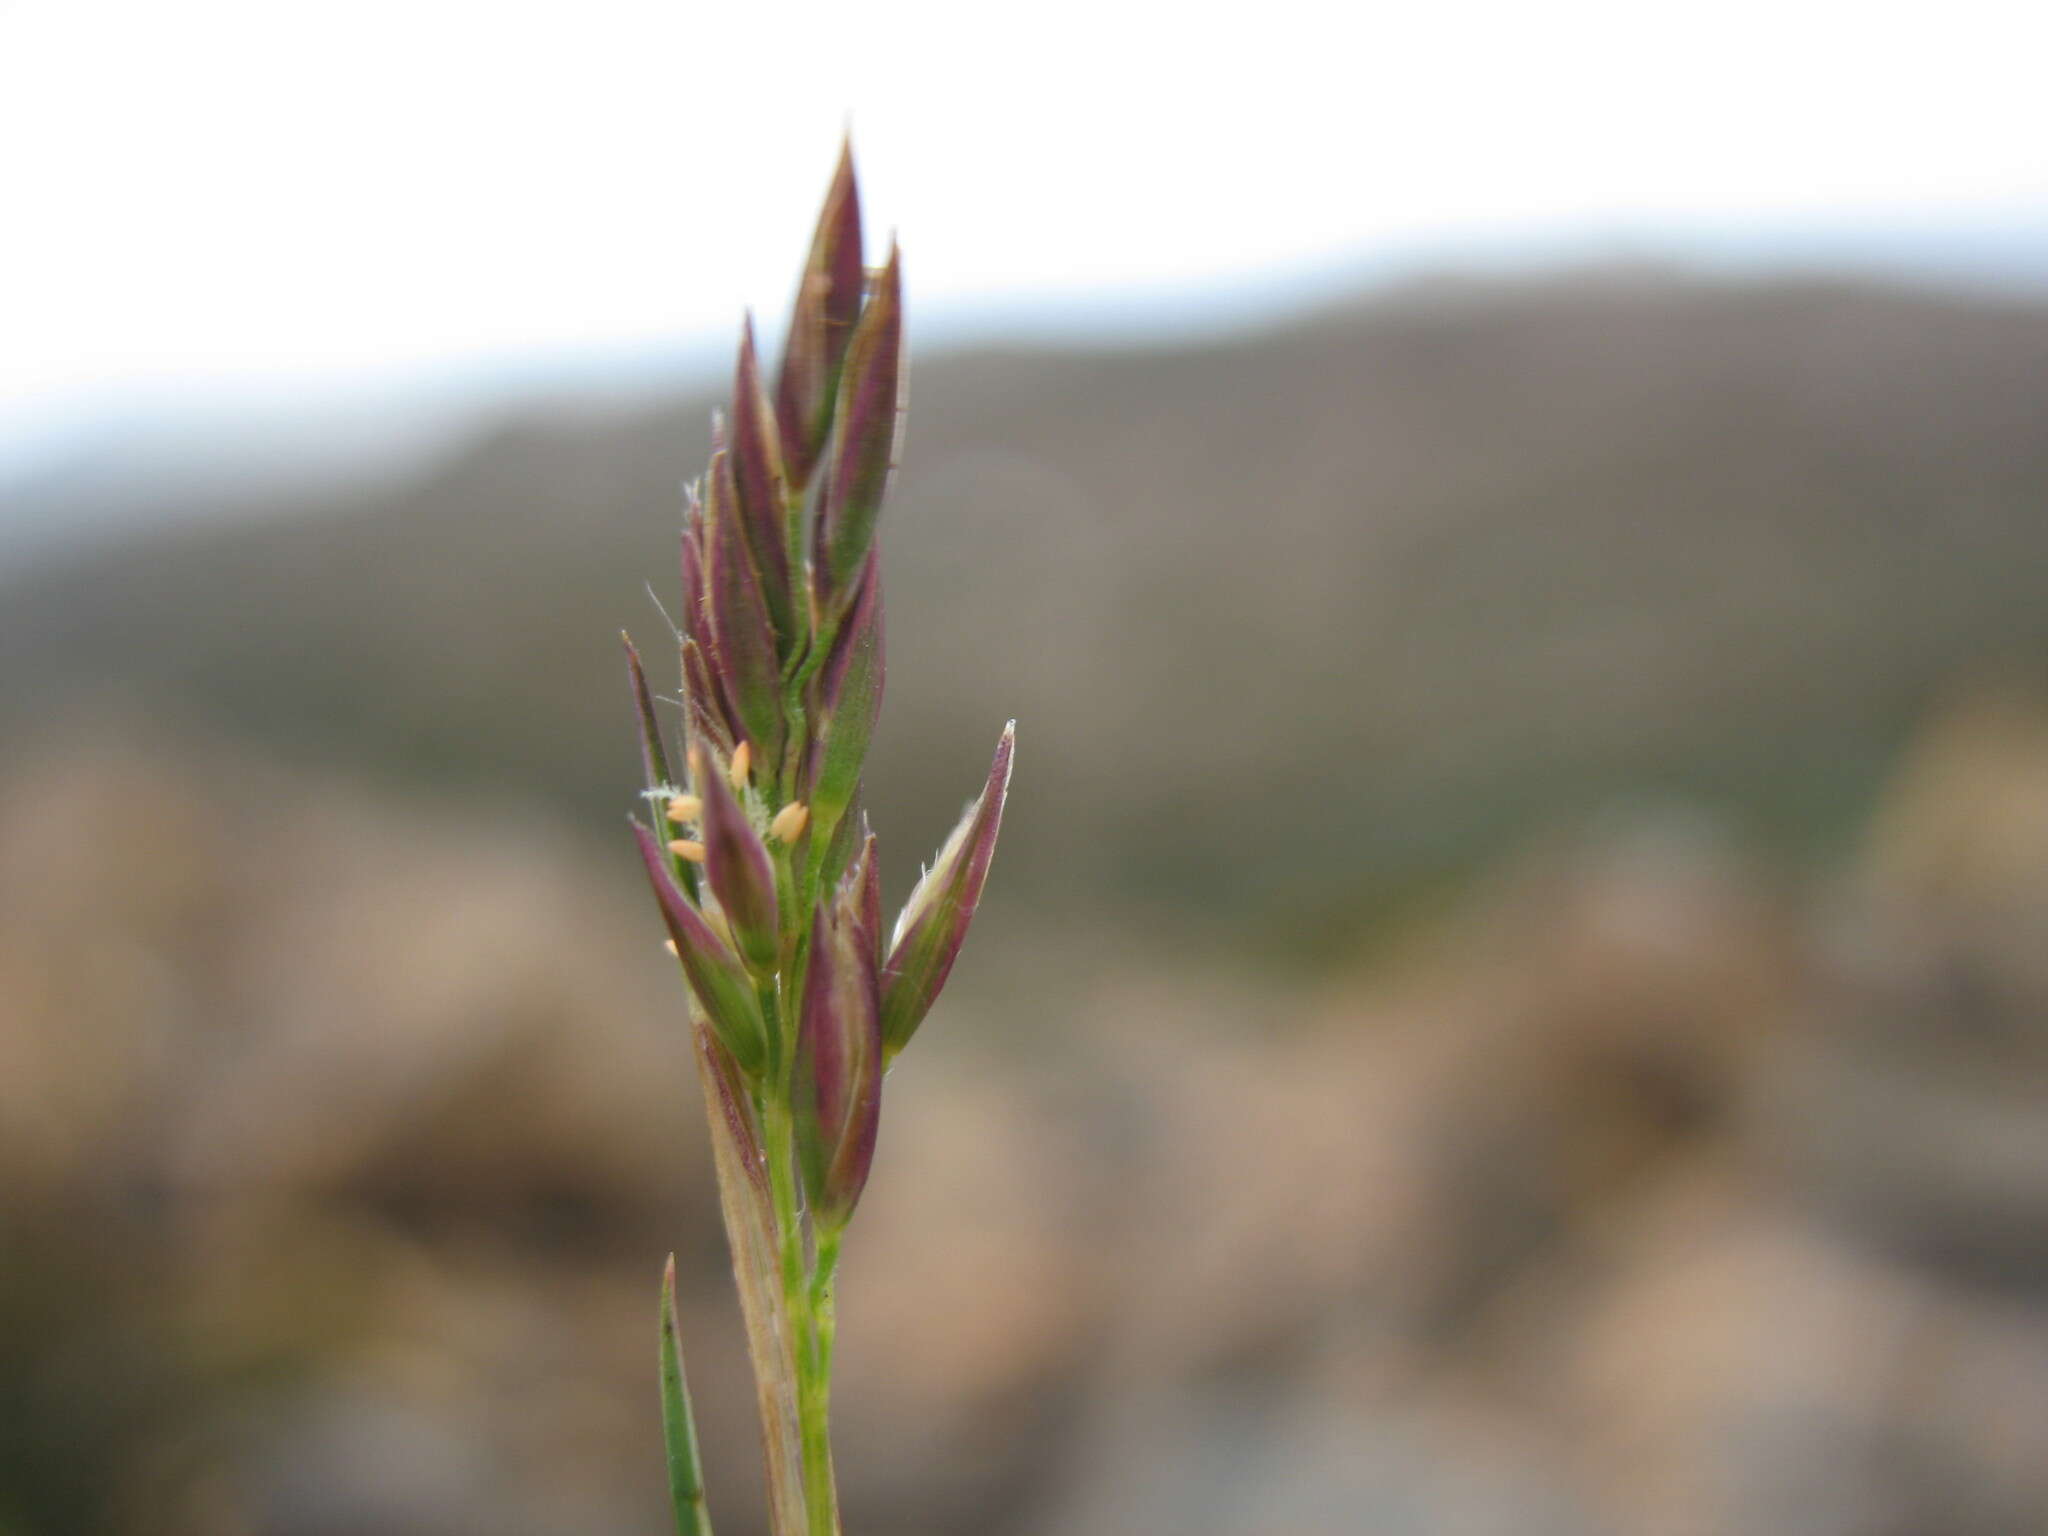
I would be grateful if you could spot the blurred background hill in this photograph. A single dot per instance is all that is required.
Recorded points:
(1368, 596)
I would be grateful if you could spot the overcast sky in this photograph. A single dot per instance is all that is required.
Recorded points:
(204, 190)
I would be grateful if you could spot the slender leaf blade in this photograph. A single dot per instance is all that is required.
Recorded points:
(678, 1424)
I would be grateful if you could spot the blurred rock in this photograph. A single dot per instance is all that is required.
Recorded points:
(1649, 1188)
(1916, 1111)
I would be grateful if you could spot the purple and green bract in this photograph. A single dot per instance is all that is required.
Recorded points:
(758, 851)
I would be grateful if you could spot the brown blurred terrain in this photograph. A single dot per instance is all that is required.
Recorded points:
(1514, 998)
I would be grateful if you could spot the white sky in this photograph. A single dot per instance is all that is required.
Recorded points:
(193, 190)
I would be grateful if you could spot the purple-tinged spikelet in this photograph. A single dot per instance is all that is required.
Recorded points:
(653, 757)
(846, 697)
(723, 989)
(866, 434)
(763, 491)
(933, 924)
(827, 303)
(839, 1061)
(736, 865)
(748, 666)
(703, 708)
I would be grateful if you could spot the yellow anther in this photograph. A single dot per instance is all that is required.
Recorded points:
(742, 764)
(670, 946)
(685, 808)
(790, 821)
(687, 848)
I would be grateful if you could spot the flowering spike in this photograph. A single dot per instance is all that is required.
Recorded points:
(839, 1064)
(866, 433)
(715, 976)
(763, 493)
(820, 325)
(846, 697)
(759, 854)
(737, 865)
(933, 923)
(748, 671)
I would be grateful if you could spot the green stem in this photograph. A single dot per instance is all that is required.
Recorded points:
(813, 1384)
(825, 1301)
(817, 1403)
